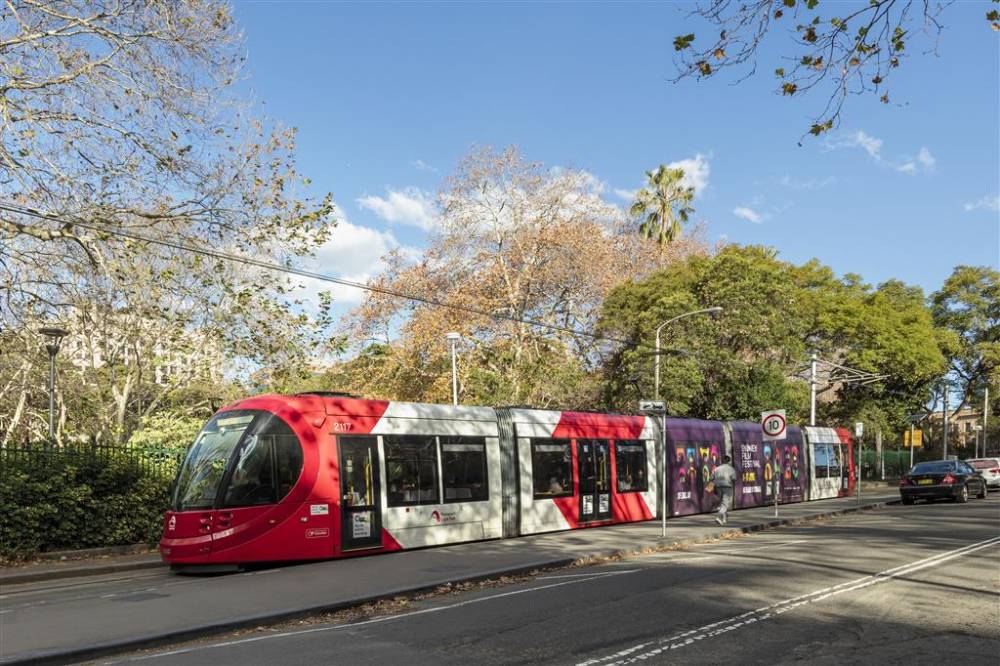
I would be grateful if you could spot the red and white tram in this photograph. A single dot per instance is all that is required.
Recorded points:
(312, 476)
(317, 476)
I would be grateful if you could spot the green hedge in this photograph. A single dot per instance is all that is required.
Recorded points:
(55, 501)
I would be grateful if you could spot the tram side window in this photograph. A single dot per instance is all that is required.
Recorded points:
(827, 460)
(411, 469)
(463, 463)
(630, 459)
(266, 467)
(834, 460)
(551, 468)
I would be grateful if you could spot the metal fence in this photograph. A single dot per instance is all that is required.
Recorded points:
(160, 463)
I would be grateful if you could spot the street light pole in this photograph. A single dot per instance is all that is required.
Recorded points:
(656, 363)
(944, 454)
(55, 336)
(812, 390)
(453, 338)
(986, 412)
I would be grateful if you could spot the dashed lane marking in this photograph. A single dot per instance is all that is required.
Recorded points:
(649, 650)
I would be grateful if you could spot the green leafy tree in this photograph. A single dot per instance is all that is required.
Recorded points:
(664, 205)
(967, 310)
(842, 49)
(751, 357)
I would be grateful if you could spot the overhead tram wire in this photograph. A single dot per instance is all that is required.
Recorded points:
(226, 256)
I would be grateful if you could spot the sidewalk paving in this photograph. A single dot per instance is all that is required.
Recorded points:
(54, 570)
(86, 617)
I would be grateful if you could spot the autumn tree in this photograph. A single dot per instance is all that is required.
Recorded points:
(121, 118)
(517, 244)
(840, 49)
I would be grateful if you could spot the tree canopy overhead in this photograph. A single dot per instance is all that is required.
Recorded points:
(123, 116)
(839, 49)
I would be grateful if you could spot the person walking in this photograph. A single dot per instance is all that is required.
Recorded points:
(723, 479)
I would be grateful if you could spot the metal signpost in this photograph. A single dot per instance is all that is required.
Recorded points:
(774, 426)
(859, 430)
(660, 407)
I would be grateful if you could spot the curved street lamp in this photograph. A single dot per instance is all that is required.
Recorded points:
(714, 310)
(55, 336)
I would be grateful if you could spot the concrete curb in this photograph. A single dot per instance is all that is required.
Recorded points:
(70, 571)
(287, 614)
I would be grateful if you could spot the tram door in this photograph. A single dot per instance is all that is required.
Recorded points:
(360, 506)
(594, 465)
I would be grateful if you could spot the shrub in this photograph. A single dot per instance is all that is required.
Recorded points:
(54, 500)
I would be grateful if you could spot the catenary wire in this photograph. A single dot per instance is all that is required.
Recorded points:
(227, 256)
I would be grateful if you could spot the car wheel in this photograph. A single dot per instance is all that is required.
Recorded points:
(982, 491)
(907, 501)
(963, 495)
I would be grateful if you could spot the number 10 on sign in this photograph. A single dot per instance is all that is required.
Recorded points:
(772, 424)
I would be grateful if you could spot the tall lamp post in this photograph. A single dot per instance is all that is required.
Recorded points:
(55, 336)
(453, 338)
(656, 372)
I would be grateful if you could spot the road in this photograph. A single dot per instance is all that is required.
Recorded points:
(916, 584)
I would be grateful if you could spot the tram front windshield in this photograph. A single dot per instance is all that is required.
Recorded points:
(201, 474)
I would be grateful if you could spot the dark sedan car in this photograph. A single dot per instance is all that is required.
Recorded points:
(952, 479)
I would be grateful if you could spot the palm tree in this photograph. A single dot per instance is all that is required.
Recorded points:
(664, 204)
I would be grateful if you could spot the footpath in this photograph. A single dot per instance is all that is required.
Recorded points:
(69, 617)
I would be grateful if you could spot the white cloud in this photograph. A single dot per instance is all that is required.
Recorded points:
(926, 159)
(810, 184)
(627, 195)
(352, 252)
(990, 203)
(748, 214)
(858, 139)
(423, 166)
(696, 170)
(923, 162)
(409, 206)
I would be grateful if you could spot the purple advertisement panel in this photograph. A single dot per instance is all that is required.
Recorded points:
(789, 462)
(694, 449)
(785, 460)
(748, 459)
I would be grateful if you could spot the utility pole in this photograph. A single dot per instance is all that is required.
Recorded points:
(986, 412)
(812, 390)
(911, 445)
(944, 454)
(881, 454)
(453, 339)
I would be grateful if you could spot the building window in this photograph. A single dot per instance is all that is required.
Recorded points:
(551, 468)
(630, 459)
(411, 469)
(463, 465)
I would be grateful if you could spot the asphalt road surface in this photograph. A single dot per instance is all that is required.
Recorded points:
(909, 585)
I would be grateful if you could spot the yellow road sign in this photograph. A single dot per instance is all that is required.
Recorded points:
(918, 439)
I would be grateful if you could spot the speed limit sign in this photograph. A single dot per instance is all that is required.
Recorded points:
(773, 424)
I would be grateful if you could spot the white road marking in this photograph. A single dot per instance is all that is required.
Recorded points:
(376, 620)
(678, 556)
(652, 649)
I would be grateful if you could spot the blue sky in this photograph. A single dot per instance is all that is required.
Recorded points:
(387, 97)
